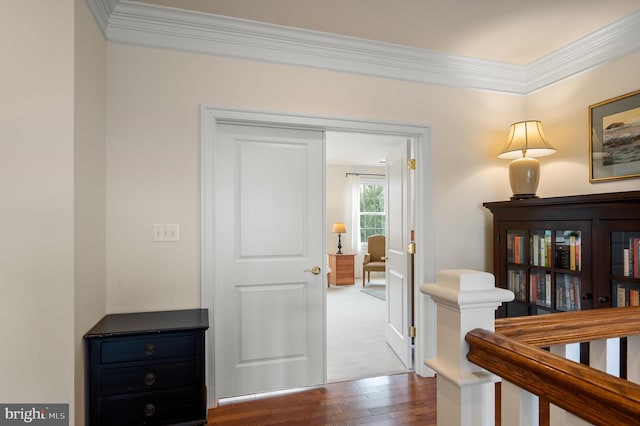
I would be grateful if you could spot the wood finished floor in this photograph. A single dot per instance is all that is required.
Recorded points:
(401, 399)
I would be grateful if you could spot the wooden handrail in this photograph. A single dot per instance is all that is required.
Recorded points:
(587, 393)
(571, 327)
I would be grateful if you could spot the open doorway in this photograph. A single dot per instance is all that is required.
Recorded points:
(357, 309)
(213, 186)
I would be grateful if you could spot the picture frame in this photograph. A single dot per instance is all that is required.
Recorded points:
(614, 142)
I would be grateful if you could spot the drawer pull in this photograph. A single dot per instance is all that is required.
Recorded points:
(149, 410)
(149, 379)
(149, 349)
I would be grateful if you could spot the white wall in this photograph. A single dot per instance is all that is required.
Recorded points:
(37, 192)
(90, 187)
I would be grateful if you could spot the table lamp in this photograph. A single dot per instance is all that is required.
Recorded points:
(339, 228)
(525, 142)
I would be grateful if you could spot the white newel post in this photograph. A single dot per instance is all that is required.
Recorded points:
(466, 300)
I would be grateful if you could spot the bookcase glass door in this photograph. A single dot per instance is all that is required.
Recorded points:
(568, 258)
(516, 259)
(544, 267)
(625, 268)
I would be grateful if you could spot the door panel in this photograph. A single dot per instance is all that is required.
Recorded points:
(268, 307)
(398, 267)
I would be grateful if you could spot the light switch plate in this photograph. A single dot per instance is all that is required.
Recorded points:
(164, 232)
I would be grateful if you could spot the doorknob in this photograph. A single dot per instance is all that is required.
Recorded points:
(385, 258)
(315, 270)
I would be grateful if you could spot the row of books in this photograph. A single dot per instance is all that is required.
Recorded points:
(627, 297)
(631, 259)
(515, 248)
(540, 289)
(568, 293)
(516, 282)
(568, 289)
(569, 252)
(541, 249)
(568, 249)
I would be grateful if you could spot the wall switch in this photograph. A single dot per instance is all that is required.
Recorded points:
(172, 232)
(163, 232)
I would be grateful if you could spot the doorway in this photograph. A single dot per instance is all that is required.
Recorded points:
(213, 117)
(357, 313)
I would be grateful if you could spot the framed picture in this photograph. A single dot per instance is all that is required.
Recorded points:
(615, 138)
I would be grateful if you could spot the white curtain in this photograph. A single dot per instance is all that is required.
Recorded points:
(354, 214)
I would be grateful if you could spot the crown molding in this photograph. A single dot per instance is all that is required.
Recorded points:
(125, 21)
(615, 41)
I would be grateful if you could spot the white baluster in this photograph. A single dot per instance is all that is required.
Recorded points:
(465, 300)
(633, 359)
(604, 355)
(557, 416)
(518, 407)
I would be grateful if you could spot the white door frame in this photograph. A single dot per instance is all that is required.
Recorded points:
(424, 225)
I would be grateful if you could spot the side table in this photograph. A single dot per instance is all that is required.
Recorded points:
(342, 269)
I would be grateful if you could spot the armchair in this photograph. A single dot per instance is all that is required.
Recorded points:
(375, 258)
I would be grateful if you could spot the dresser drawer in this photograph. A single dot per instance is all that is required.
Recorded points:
(162, 408)
(146, 348)
(148, 378)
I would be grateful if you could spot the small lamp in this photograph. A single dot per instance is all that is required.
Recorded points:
(339, 228)
(525, 142)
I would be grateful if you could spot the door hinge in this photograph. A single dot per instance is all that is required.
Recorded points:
(412, 331)
(412, 248)
(411, 164)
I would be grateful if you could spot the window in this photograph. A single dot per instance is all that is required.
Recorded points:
(373, 217)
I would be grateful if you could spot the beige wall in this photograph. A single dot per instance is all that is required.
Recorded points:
(153, 150)
(36, 188)
(90, 186)
(564, 111)
(153, 139)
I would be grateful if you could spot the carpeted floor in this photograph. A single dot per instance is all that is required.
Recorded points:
(356, 346)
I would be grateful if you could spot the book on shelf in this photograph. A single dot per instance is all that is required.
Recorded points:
(518, 249)
(626, 262)
(547, 285)
(621, 297)
(636, 257)
(533, 288)
(631, 258)
(634, 297)
(547, 248)
(579, 253)
(535, 250)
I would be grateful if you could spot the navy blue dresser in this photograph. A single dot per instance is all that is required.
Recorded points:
(148, 368)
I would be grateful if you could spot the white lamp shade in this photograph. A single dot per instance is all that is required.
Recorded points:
(526, 139)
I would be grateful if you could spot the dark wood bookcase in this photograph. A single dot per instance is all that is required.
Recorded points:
(567, 253)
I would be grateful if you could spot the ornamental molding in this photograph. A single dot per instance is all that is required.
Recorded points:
(125, 21)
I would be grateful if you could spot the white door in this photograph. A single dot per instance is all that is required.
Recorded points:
(398, 260)
(268, 304)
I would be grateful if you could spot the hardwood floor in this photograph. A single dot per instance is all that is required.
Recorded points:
(401, 399)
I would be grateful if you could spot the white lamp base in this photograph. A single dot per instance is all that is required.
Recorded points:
(524, 176)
